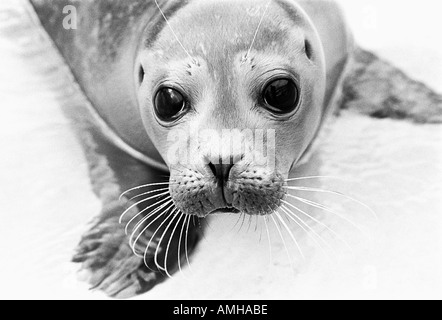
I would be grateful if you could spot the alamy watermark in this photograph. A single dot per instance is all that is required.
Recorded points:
(227, 146)
(70, 18)
(370, 278)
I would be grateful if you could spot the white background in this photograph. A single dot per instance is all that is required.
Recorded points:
(46, 201)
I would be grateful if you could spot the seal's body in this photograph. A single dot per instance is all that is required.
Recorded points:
(103, 51)
(153, 71)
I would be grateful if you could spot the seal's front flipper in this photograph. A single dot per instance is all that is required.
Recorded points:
(110, 265)
(377, 88)
(108, 261)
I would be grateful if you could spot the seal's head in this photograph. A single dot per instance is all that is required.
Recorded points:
(232, 98)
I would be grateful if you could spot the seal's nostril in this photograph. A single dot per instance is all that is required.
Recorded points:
(221, 171)
(212, 168)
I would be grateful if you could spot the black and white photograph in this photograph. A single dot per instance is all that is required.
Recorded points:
(220, 150)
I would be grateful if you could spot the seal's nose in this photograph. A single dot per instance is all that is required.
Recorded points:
(221, 171)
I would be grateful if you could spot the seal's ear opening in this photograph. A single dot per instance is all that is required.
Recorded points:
(308, 49)
(140, 75)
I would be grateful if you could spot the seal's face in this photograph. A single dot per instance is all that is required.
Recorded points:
(231, 119)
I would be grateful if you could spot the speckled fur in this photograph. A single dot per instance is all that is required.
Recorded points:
(252, 190)
(97, 59)
(377, 88)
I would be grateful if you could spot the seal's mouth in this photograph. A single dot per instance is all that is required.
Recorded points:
(224, 210)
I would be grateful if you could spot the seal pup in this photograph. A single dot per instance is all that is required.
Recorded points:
(177, 68)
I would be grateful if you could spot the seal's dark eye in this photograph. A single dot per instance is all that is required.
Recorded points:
(281, 96)
(169, 104)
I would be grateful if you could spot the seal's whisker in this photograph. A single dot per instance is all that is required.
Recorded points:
(145, 186)
(258, 221)
(301, 224)
(144, 210)
(278, 228)
(174, 34)
(170, 215)
(338, 236)
(145, 219)
(257, 31)
(237, 221)
(207, 224)
(268, 237)
(147, 193)
(250, 222)
(194, 223)
(309, 231)
(316, 177)
(157, 250)
(290, 233)
(242, 223)
(324, 208)
(181, 215)
(180, 242)
(186, 240)
(338, 194)
(161, 198)
(132, 244)
(140, 202)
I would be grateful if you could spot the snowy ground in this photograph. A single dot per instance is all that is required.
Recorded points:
(395, 167)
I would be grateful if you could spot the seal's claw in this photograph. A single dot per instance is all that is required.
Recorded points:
(109, 265)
